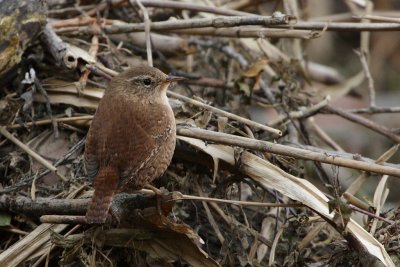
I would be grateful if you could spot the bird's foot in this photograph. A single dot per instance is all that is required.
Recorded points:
(158, 194)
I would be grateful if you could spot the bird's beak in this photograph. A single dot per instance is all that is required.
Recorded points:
(171, 79)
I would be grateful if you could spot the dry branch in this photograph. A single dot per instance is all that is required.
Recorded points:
(249, 32)
(341, 26)
(58, 49)
(217, 22)
(228, 139)
(194, 7)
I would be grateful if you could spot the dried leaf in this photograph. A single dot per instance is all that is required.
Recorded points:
(267, 231)
(380, 196)
(204, 118)
(160, 238)
(255, 69)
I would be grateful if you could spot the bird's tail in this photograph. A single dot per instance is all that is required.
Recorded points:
(105, 186)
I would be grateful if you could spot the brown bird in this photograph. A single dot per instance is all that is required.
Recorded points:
(132, 137)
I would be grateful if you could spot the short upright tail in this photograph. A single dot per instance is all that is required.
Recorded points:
(105, 186)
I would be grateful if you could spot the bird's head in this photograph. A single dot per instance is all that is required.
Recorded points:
(142, 81)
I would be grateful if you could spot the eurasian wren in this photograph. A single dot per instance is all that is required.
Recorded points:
(132, 137)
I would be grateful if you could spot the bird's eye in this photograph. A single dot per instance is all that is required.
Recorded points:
(147, 81)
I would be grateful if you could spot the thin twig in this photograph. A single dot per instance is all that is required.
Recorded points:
(238, 202)
(80, 21)
(371, 87)
(341, 26)
(324, 136)
(225, 113)
(302, 113)
(210, 217)
(375, 110)
(32, 153)
(174, 5)
(194, 7)
(147, 23)
(48, 121)
(25, 182)
(372, 214)
(365, 122)
(378, 18)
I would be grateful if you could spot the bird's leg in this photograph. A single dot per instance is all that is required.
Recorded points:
(158, 193)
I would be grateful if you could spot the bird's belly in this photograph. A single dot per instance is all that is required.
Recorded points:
(152, 168)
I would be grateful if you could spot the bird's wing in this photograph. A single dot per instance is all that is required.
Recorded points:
(125, 136)
(150, 129)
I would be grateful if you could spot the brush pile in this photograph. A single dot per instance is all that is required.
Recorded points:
(281, 158)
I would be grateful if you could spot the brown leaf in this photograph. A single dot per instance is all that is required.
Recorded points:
(160, 238)
(255, 69)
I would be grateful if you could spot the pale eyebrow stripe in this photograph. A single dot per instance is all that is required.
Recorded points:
(138, 77)
(131, 79)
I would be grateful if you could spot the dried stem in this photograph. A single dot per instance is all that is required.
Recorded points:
(301, 114)
(194, 7)
(341, 26)
(147, 23)
(225, 113)
(229, 139)
(324, 136)
(48, 121)
(379, 18)
(250, 32)
(242, 203)
(375, 110)
(210, 217)
(365, 122)
(371, 87)
(216, 22)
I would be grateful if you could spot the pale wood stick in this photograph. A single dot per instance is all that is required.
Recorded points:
(239, 202)
(147, 23)
(48, 121)
(234, 140)
(324, 136)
